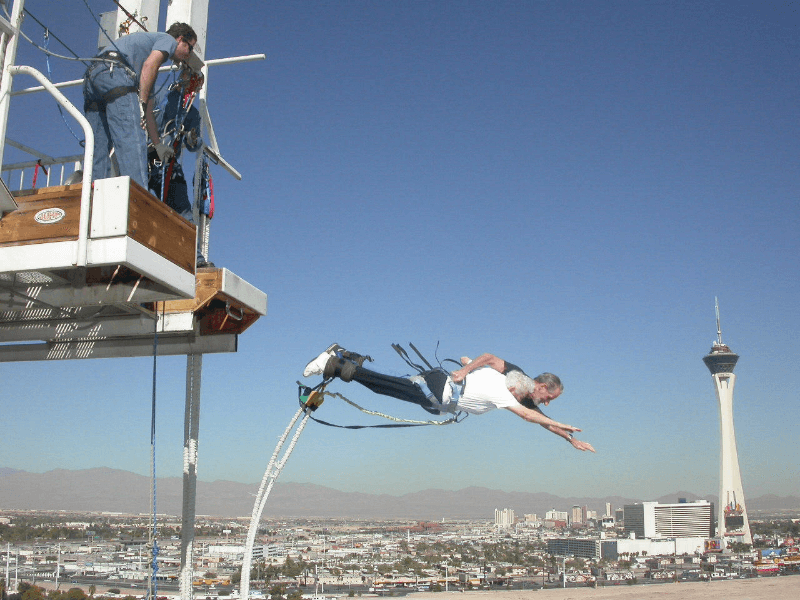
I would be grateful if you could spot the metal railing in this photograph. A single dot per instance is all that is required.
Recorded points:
(88, 155)
(15, 174)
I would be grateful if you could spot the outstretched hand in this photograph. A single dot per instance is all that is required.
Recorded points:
(580, 445)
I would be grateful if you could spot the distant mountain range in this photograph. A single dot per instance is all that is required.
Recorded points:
(113, 490)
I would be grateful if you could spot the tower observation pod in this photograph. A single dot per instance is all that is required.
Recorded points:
(732, 522)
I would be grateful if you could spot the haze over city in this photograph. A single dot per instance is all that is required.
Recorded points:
(567, 185)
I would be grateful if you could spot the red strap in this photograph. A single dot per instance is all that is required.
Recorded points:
(211, 196)
(36, 171)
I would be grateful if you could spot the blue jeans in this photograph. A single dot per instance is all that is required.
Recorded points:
(116, 124)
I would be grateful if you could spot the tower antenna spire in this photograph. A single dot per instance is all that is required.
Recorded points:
(719, 328)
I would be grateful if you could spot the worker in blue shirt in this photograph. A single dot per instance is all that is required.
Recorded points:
(118, 102)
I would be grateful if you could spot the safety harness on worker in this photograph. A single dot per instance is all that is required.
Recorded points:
(111, 59)
(184, 104)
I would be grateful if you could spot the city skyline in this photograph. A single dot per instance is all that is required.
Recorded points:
(543, 181)
(111, 490)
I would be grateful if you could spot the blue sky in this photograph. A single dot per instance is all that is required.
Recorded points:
(567, 185)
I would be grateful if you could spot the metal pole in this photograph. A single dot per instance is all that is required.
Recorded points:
(191, 430)
(11, 41)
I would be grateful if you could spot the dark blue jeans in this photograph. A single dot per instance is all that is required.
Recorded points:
(115, 124)
(403, 388)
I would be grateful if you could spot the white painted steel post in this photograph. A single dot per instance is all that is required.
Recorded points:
(145, 11)
(191, 431)
(10, 41)
(195, 13)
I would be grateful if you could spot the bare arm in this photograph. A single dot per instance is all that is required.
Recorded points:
(561, 430)
(535, 416)
(484, 360)
(147, 79)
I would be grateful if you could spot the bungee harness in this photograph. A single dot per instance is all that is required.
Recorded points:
(311, 398)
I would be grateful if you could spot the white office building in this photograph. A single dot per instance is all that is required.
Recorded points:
(556, 515)
(504, 518)
(683, 520)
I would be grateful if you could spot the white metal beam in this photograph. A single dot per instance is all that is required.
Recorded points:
(102, 328)
(121, 348)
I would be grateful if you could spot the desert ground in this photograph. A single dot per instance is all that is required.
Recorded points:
(765, 588)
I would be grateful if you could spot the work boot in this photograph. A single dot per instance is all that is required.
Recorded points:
(341, 368)
(317, 366)
(354, 357)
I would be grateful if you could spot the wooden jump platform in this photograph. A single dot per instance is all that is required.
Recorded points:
(138, 268)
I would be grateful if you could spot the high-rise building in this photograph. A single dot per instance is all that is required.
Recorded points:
(531, 518)
(577, 515)
(654, 520)
(732, 521)
(504, 518)
(582, 547)
(556, 515)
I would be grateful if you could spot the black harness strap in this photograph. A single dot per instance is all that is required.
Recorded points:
(109, 97)
(404, 355)
(414, 348)
(419, 368)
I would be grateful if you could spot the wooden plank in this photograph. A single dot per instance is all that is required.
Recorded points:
(156, 226)
(57, 191)
(208, 283)
(20, 226)
(214, 318)
(210, 307)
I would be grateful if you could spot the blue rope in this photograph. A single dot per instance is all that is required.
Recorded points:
(81, 143)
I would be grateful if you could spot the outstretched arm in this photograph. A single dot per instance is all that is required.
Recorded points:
(484, 360)
(575, 442)
(536, 416)
(561, 430)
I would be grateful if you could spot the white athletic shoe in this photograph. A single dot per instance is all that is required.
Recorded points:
(317, 366)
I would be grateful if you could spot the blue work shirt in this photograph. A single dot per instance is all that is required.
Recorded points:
(136, 47)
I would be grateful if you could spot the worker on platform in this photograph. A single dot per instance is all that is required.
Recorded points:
(118, 98)
(178, 123)
(480, 385)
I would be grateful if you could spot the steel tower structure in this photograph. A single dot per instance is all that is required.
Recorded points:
(110, 270)
(732, 522)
